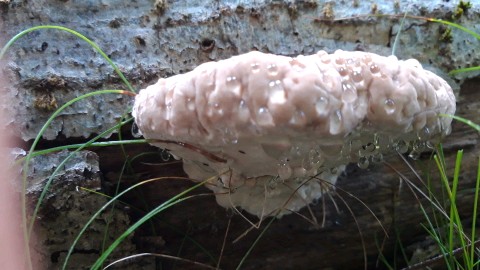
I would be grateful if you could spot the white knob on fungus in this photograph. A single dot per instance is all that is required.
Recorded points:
(282, 125)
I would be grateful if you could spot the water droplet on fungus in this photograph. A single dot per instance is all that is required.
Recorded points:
(349, 92)
(389, 106)
(321, 105)
(363, 162)
(272, 70)
(277, 93)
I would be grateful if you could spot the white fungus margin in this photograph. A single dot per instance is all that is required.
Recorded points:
(281, 126)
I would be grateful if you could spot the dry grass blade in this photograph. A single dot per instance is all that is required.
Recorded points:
(224, 242)
(131, 257)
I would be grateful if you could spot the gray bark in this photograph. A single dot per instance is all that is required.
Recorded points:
(148, 41)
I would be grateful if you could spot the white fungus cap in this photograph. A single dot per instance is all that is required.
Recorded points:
(276, 122)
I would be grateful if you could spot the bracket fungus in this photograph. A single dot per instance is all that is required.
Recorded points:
(282, 126)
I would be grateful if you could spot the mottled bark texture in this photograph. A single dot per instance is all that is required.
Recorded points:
(152, 39)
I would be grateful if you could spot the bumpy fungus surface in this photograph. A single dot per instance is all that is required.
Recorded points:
(281, 126)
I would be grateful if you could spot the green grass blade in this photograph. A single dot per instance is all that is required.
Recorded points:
(75, 33)
(172, 201)
(50, 179)
(93, 144)
(397, 37)
(458, 26)
(34, 144)
(94, 216)
(474, 218)
(462, 120)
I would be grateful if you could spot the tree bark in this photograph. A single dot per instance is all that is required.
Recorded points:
(150, 40)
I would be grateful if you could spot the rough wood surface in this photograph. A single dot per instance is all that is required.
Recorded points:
(47, 68)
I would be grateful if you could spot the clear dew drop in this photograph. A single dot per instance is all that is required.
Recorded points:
(447, 130)
(343, 71)
(218, 108)
(264, 118)
(298, 118)
(363, 162)
(374, 68)
(307, 164)
(243, 111)
(414, 154)
(190, 104)
(401, 147)
(136, 133)
(419, 146)
(272, 70)
(277, 93)
(349, 92)
(321, 105)
(229, 136)
(389, 106)
(369, 147)
(255, 67)
(357, 76)
(335, 122)
(424, 134)
(284, 171)
(165, 155)
(315, 156)
(233, 85)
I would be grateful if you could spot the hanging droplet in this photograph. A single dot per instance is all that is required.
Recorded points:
(136, 133)
(389, 106)
(335, 126)
(424, 134)
(284, 171)
(229, 136)
(243, 111)
(414, 155)
(264, 118)
(190, 104)
(218, 108)
(165, 155)
(363, 162)
(321, 106)
(401, 147)
(369, 147)
(307, 164)
(349, 92)
(314, 156)
(298, 118)
(277, 93)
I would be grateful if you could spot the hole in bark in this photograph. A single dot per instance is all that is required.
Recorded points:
(44, 46)
(140, 41)
(207, 45)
